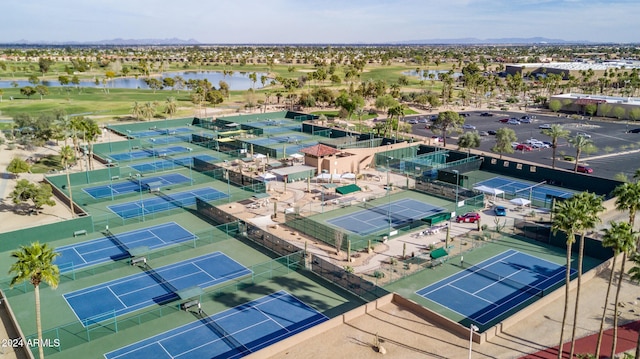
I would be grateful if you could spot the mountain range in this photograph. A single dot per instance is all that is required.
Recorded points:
(176, 41)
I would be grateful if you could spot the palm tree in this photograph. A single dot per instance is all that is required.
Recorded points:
(148, 110)
(555, 132)
(35, 264)
(626, 244)
(634, 274)
(582, 144)
(628, 199)
(565, 218)
(66, 156)
(91, 131)
(614, 237)
(136, 110)
(171, 106)
(589, 217)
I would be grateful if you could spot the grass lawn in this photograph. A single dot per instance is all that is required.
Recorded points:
(46, 164)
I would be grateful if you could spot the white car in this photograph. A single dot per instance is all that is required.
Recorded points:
(515, 144)
(545, 126)
(513, 121)
(539, 144)
(468, 127)
(532, 141)
(583, 134)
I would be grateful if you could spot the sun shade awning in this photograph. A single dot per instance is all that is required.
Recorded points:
(439, 253)
(348, 189)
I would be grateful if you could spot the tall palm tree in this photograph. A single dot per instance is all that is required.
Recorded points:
(628, 199)
(627, 244)
(613, 237)
(589, 217)
(35, 264)
(634, 275)
(565, 218)
(581, 144)
(555, 132)
(66, 156)
(91, 133)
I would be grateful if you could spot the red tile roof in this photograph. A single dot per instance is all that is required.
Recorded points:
(320, 150)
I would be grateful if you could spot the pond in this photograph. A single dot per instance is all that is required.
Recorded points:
(236, 81)
(425, 74)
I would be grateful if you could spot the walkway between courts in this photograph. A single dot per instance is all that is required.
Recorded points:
(627, 338)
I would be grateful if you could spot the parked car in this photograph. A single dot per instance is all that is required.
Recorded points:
(468, 127)
(583, 134)
(525, 117)
(437, 138)
(492, 132)
(500, 211)
(515, 144)
(539, 144)
(463, 114)
(635, 130)
(531, 141)
(486, 114)
(513, 121)
(422, 120)
(544, 126)
(413, 121)
(525, 120)
(523, 147)
(469, 217)
(484, 133)
(504, 120)
(585, 169)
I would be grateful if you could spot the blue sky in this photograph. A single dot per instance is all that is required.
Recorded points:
(314, 21)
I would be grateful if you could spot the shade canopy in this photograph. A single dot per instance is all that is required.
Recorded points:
(489, 190)
(520, 201)
(348, 175)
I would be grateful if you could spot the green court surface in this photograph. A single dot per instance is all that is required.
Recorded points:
(475, 251)
(268, 276)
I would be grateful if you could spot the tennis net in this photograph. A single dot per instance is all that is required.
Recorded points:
(530, 188)
(523, 287)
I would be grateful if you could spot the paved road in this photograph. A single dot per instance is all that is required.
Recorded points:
(618, 151)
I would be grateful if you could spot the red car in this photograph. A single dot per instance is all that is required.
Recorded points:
(523, 147)
(504, 120)
(470, 217)
(585, 169)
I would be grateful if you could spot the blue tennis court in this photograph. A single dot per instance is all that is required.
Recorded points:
(165, 140)
(125, 295)
(168, 164)
(374, 219)
(149, 152)
(116, 246)
(233, 333)
(159, 131)
(130, 186)
(492, 288)
(165, 202)
(525, 189)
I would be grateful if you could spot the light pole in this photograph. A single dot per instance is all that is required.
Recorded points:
(110, 178)
(472, 329)
(457, 184)
(389, 196)
(140, 190)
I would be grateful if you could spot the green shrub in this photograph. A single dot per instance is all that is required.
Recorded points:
(569, 158)
(378, 274)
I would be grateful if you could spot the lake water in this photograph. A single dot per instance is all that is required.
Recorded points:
(237, 81)
(434, 72)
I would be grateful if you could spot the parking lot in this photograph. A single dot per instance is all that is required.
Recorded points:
(617, 150)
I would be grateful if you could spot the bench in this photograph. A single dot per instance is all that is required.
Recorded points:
(190, 304)
(82, 232)
(138, 260)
